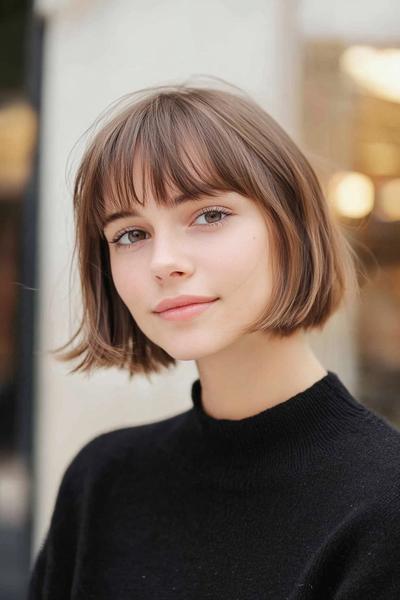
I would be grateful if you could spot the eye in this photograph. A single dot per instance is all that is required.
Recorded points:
(212, 212)
(132, 234)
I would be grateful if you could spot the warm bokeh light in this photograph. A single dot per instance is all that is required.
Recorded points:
(389, 202)
(18, 124)
(380, 158)
(351, 194)
(376, 69)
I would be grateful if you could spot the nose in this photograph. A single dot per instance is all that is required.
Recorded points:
(169, 259)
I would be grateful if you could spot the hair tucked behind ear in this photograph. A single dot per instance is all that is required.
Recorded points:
(203, 141)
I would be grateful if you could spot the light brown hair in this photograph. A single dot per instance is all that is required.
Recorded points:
(201, 141)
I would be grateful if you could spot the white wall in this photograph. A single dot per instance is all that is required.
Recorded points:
(365, 21)
(95, 51)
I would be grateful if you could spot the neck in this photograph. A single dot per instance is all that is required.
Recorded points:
(256, 373)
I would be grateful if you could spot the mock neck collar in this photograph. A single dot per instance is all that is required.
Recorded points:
(310, 417)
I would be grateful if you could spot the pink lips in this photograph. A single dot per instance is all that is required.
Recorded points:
(183, 313)
(179, 301)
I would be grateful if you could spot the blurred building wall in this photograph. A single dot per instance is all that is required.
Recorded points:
(366, 21)
(96, 51)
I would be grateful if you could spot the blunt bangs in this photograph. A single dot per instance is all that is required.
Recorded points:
(184, 150)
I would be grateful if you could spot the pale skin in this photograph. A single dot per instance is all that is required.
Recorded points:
(176, 252)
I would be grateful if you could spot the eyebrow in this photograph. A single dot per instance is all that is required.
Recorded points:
(122, 214)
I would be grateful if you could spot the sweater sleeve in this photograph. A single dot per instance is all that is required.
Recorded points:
(373, 570)
(52, 573)
(361, 560)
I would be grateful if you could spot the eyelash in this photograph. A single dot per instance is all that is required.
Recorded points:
(119, 235)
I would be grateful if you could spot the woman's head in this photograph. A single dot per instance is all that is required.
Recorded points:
(208, 196)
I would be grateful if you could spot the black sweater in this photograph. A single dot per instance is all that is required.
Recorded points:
(300, 501)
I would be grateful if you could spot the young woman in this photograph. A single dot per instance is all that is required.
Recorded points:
(203, 235)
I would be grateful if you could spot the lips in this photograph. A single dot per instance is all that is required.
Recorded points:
(179, 301)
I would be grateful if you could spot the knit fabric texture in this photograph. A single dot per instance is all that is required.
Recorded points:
(300, 501)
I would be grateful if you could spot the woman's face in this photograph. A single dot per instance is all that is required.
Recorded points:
(167, 252)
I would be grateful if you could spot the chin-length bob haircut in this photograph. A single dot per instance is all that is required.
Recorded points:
(200, 141)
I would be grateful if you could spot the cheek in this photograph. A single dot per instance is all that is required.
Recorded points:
(241, 264)
(229, 251)
(126, 281)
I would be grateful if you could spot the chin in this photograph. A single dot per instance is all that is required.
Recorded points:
(186, 354)
(194, 351)
(184, 348)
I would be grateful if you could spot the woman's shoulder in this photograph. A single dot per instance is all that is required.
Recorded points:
(381, 439)
(111, 448)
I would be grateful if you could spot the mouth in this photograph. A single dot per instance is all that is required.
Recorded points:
(183, 313)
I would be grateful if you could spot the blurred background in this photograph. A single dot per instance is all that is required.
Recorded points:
(329, 72)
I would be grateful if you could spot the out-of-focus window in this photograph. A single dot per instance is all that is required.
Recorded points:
(351, 127)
